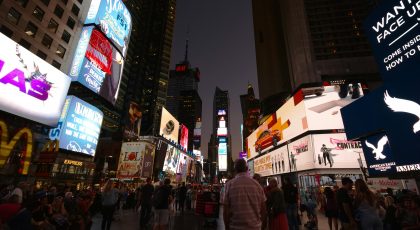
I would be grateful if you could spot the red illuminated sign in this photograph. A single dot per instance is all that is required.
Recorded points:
(99, 51)
(184, 137)
(181, 68)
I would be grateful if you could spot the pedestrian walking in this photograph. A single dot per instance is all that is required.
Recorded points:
(291, 198)
(244, 203)
(276, 207)
(109, 202)
(331, 208)
(345, 205)
(182, 196)
(365, 207)
(162, 198)
(146, 194)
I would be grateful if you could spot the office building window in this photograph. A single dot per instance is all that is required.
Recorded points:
(41, 54)
(13, 16)
(38, 13)
(23, 3)
(61, 51)
(52, 26)
(75, 10)
(56, 64)
(46, 2)
(47, 41)
(59, 11)
(65, 1)
(66, 36)
(25, 43)
(6, 31)
(71, 22)
(31, 29)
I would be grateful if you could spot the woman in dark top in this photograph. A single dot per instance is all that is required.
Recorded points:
(276, 207)
(331, 208)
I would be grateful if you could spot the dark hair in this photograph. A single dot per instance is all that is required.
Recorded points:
(240, 166)
(346, 180)
(167, 181)
(148, 180)
(329, 193)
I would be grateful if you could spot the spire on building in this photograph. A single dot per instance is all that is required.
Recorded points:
(186, 51)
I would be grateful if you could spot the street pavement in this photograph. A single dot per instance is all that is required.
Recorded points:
(183, 221)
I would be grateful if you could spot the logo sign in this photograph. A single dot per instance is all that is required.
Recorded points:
(29, 86)
(79, 127)
(169, 126)
(72, 162)
(7, 145)
(393, 30)
(378, 155)
(114, 19)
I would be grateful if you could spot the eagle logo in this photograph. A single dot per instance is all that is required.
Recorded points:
(403, 105)
(379, 149)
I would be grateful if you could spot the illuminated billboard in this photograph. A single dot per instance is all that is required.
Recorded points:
(114, 20)
(31, 88)
(184, 137)
(378, 154)
(133, 122)
(171, 160)
(79, 126)
(97, 64)
(222, 163)
(130, 162)
(301, 154)
(263, 165)
(169, 126)
(280, 161)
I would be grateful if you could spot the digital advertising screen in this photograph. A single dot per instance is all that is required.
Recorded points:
(301, 154)
(131, 157)
(222, 163)
(169, 126)
(280, 161)
(97, 64)
(184, 137)
(114, 20)
(182, 163)
(378, 154)
(79, 126)
(171, 160)
(31, 88)
(133, 121)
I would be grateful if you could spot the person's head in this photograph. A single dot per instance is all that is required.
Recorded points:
(240, 166)
(149, 180)
(272, 183)
(328, 192)
(361, 186)
(390, 191)
(347, 183)
(167, 181)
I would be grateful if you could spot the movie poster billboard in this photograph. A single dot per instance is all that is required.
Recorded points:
(171, 160)
(169, 126)
(335, 151)
(263, 165)
(280, 160)
(148, 155)
(114, 20)
(79, 126)
(301, 154)
(130, 162)
(133, 122)
(183, 141)
(97, 64)
(31, 88)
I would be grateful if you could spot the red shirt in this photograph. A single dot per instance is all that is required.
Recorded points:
(7, 211)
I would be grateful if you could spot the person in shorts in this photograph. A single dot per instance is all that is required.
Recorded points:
(161, 200)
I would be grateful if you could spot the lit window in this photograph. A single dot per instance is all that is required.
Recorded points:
(61, 51)
(38, 13)
(31, 29)
(52, 26)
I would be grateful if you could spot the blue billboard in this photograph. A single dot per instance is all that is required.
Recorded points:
(79, 126)
(114, 20)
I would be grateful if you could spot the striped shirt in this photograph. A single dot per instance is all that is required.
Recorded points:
(244, 196)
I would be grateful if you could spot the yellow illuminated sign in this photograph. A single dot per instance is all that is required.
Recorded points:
(71, 162)
(7, 146)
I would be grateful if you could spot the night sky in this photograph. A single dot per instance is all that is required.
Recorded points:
(221, 44)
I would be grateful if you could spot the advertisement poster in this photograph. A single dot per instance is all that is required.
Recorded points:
(287, 122)
(378, 154)
(251, 167)
(169, 126)
(31, 88)
(114, 19)
(263, 165)
(148, 153)
(79, 126)
(97, 64)
(160, 155)
(301, 154)
(133, 122)
(182, 163)
(130, 162)
(184, 137)
(222, 162)
(280, 161)
(323, 111)
(171, 160)
(335, 151)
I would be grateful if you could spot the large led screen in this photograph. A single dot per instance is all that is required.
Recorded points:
(114, 20)
(184, 137)
(335, 151)
(97, 64)
(169, 126)
(79, 126)
(130, 163)
(301, 154)
(182, 163)
(280, 161)
(379, 158)
(222, 162)
(30, 87)
(171, 160)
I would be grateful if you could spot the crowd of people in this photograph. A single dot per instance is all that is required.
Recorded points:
(350, 207)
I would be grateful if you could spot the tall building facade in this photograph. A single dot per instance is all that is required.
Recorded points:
(146, 72)
(49, 29)
(250, 113)
(304, 41)
(189, 114)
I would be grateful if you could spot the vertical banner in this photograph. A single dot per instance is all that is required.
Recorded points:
(148, 153)
(133, 122)
(129, 166)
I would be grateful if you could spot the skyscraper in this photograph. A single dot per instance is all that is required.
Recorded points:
(304, 41)
(250, 112)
